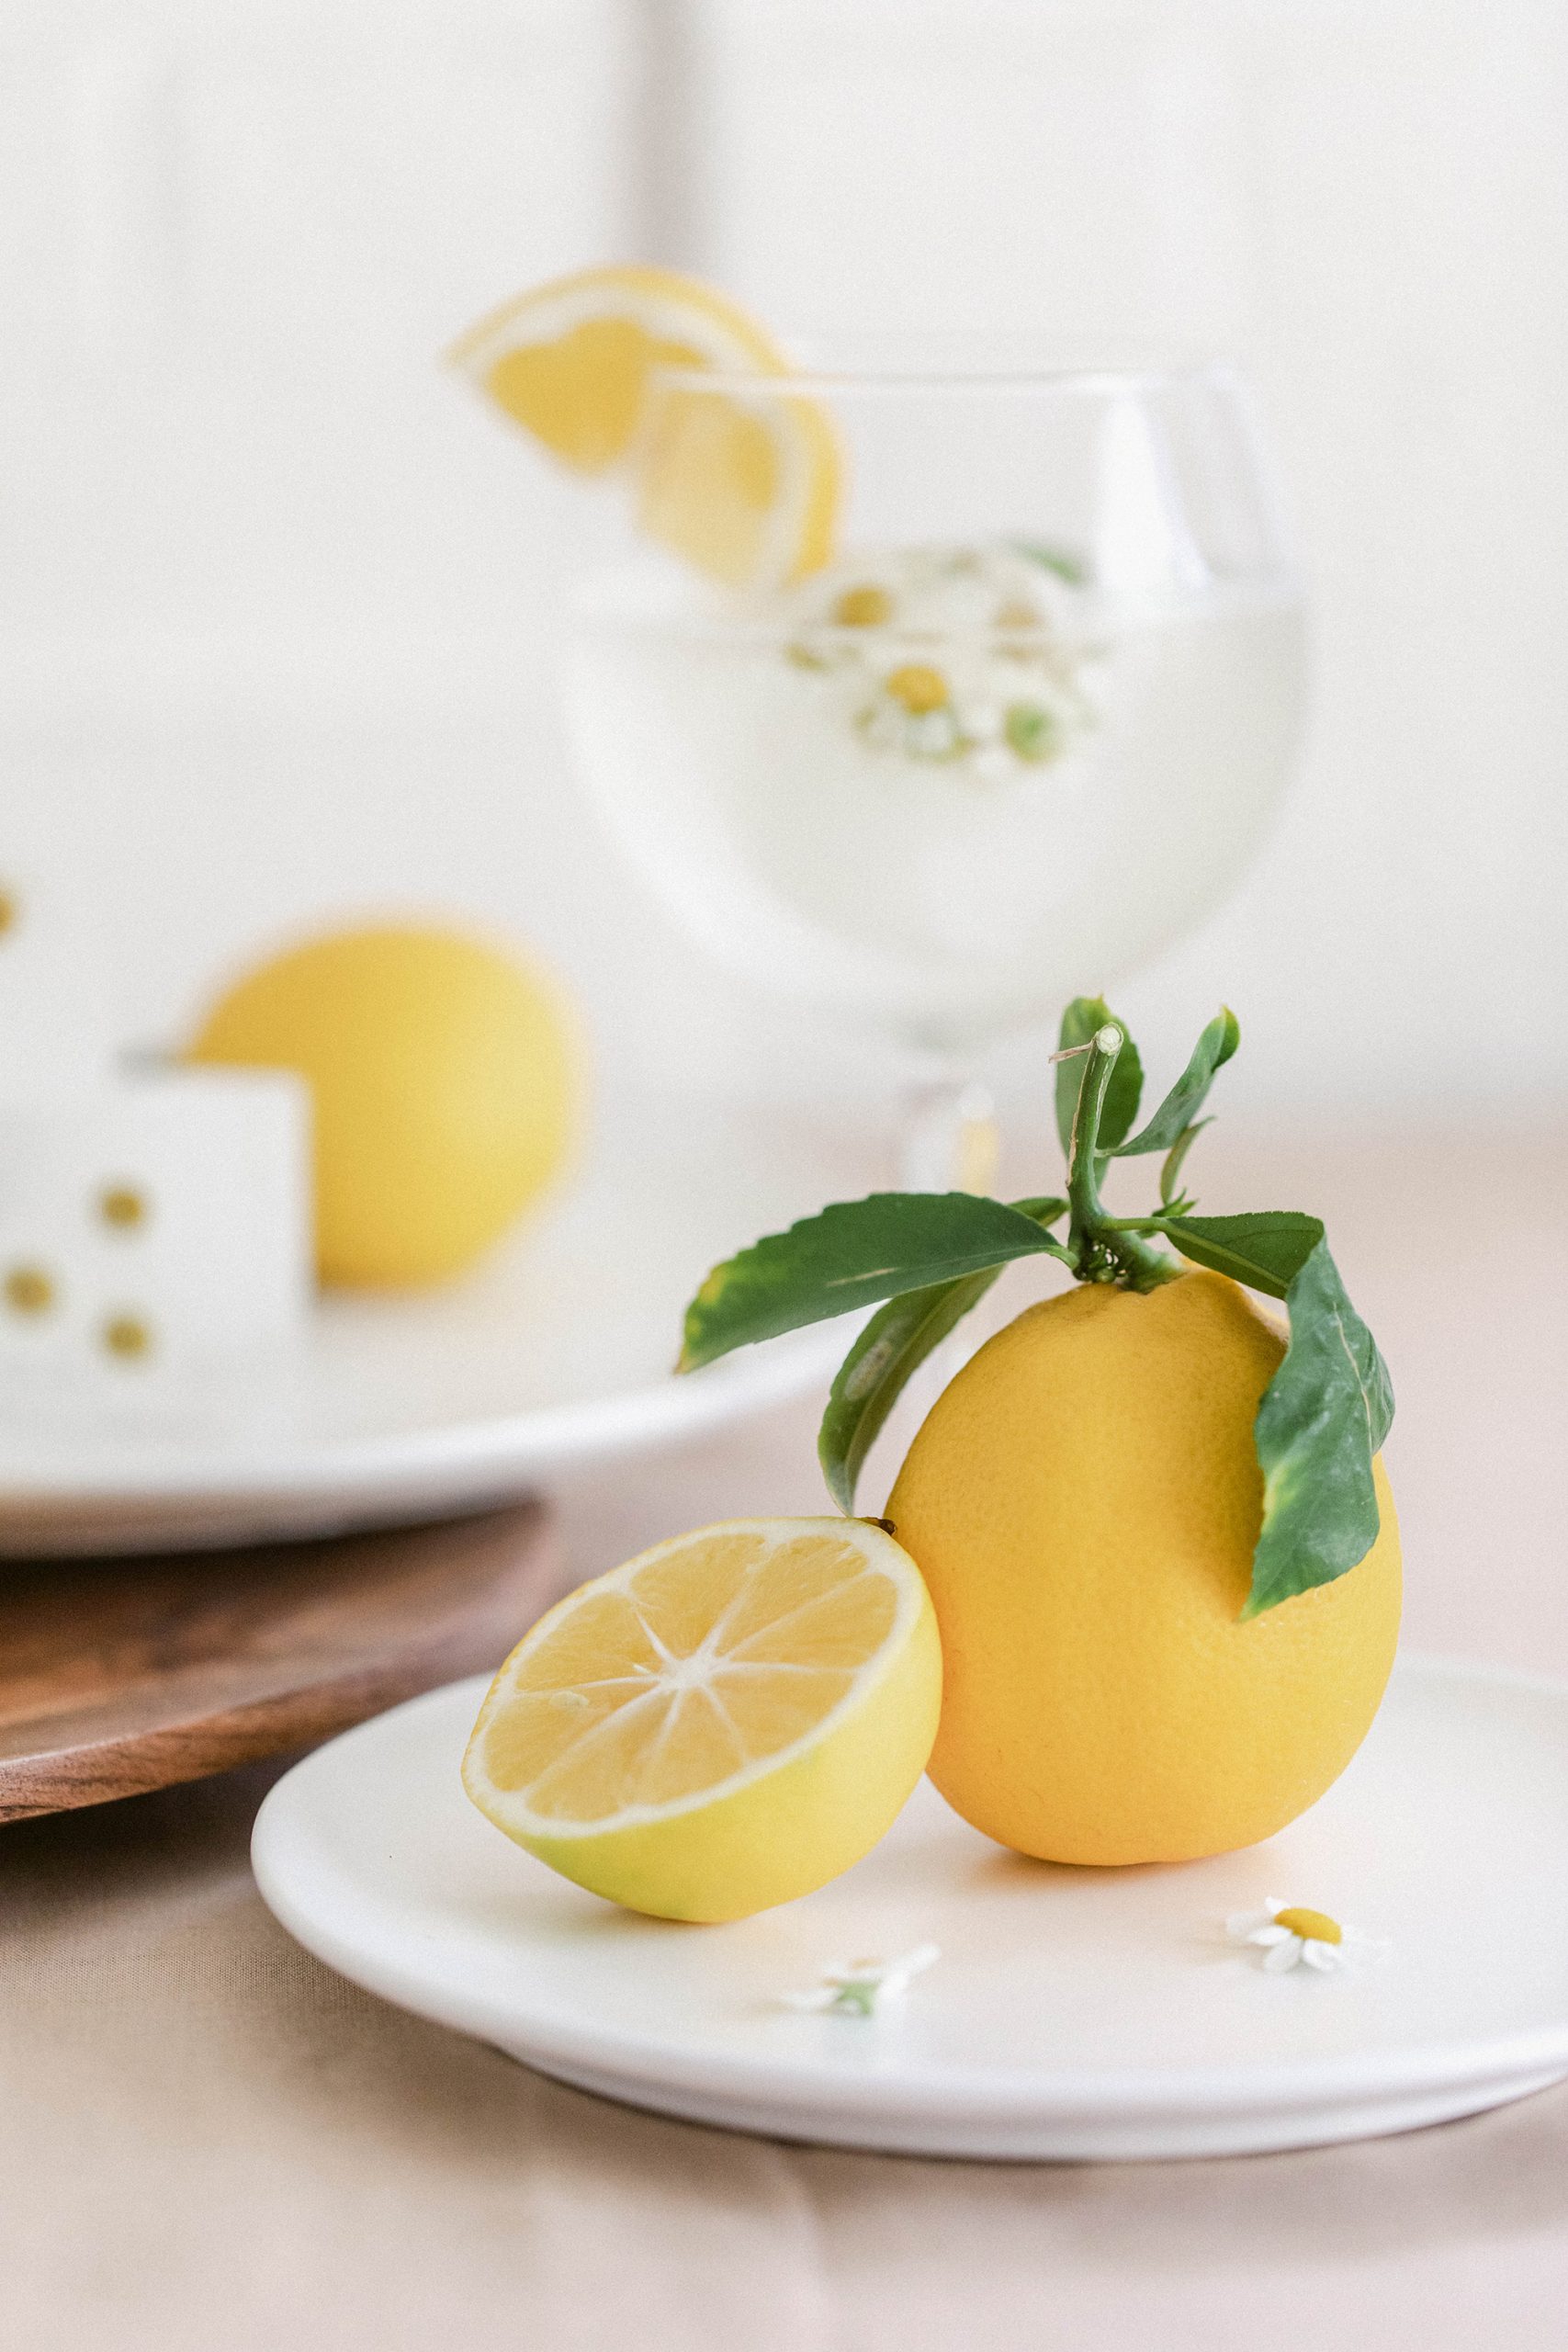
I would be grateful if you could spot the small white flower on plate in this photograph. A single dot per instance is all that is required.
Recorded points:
(1290, 1936)
(857, 1987)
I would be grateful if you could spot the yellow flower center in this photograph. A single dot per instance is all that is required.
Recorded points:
(123, 1206)
(28, 1290)
(127, 1336)
(918, 687)
(1315, 1925)
(864, 608)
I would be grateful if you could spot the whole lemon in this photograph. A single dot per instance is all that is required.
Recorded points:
(442, 1082)
(1083, 1501)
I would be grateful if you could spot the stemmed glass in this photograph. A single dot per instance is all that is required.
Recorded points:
(1010, 732)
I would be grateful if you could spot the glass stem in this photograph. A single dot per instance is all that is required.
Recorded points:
(948, 1136)
(947, 1143)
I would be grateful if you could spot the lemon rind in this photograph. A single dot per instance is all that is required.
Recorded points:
(661, 300)
(798, 537)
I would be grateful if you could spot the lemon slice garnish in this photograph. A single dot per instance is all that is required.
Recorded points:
(723, 1724)
(742, 481)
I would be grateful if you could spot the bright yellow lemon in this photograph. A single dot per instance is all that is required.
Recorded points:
(442, 1084)
(741, 478)
(1083, 1501)
(727, 1722)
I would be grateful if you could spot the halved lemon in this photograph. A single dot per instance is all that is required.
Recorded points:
(727, 1722)
(741, 480)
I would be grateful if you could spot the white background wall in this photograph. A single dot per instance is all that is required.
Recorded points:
(276, 597)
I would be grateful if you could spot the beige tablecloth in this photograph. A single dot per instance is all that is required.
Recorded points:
(209, 2143)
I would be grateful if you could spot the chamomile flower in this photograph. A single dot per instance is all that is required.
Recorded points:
(1291, 1936)
(857, 1987)
(972, 659)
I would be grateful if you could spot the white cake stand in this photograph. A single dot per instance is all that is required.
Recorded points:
(558, 1352)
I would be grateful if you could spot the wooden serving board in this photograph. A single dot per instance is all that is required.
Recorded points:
(119, 1676)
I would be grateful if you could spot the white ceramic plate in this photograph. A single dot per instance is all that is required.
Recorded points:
(1071, 2014)
(560, 1352)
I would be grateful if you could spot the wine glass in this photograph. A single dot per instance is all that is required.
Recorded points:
(1011, 728)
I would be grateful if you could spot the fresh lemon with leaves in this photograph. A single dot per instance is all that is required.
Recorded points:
(442, 1087)
(1155, 1528)
(605, 370)
(1085, 1499)
(727, 1721)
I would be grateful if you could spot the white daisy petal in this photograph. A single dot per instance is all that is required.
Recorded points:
(1283, 1949)
(898, 1974)
(855, 1987)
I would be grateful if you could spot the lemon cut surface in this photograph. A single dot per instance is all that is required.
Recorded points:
(740, 481)
(725, 1723)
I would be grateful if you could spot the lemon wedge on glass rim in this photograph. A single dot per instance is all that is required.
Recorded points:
(740, 479)
(726, 1722)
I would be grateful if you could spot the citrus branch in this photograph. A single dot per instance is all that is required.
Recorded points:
(1106, 1249)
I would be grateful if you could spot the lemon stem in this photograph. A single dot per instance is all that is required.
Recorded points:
(1105, 1250)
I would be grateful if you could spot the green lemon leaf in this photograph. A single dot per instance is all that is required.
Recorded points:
(1172, 1164)
(1187, 1097)
(1061, 560)
(1324, 1415)
(1265, 1251)
(852, 1255)
(894, 1344)
(1083, 1017)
